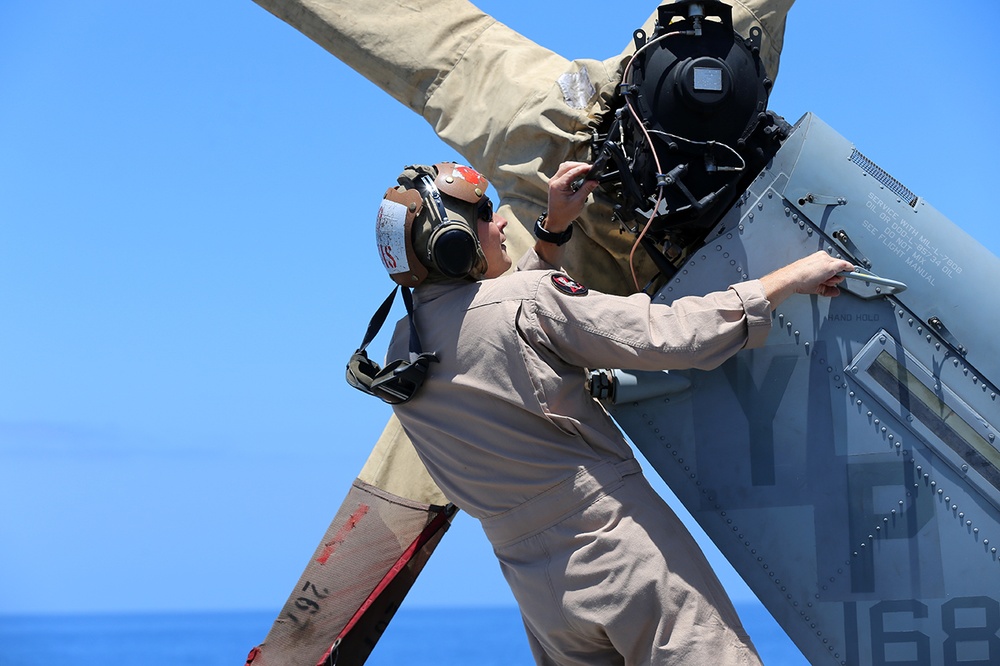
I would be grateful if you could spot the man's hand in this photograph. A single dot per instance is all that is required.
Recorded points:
(814, 274)
(565, 203)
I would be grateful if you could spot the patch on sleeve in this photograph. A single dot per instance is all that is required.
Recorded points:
(568, 285)
(577, 89)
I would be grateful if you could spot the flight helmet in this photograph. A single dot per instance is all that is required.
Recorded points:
(426, 226)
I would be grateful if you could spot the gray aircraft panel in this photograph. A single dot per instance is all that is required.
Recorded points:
(849, 469)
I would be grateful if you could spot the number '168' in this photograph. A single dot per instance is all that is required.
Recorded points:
(969, 624)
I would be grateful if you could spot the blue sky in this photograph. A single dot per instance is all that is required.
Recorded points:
(187, 193)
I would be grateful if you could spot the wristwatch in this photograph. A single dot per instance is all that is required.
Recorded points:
(542, 234)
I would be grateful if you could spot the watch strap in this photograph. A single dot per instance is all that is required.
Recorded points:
(543, 234)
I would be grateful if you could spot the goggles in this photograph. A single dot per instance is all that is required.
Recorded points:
(395, 383)
(398, 381)
(484, 211)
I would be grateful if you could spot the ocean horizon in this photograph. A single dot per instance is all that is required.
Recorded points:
(423, 636)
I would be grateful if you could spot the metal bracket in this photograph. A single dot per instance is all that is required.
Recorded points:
(852, 249)
(822, 200)
(942, 330)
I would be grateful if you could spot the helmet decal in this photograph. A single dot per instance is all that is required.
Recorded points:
(469, 174)
(390, 234)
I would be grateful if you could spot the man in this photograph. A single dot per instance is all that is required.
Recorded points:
(515, 110)
(602, 570)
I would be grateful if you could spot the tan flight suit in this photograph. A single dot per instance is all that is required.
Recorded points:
(602, 569)
(513, 109)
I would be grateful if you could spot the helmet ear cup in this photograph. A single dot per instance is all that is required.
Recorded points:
(454, 250)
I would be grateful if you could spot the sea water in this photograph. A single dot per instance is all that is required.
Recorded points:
(415, 637)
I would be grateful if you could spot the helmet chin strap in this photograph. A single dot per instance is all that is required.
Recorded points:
(400, 379)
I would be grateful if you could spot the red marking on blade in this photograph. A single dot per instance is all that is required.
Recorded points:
(254, 653)
(332, 545)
